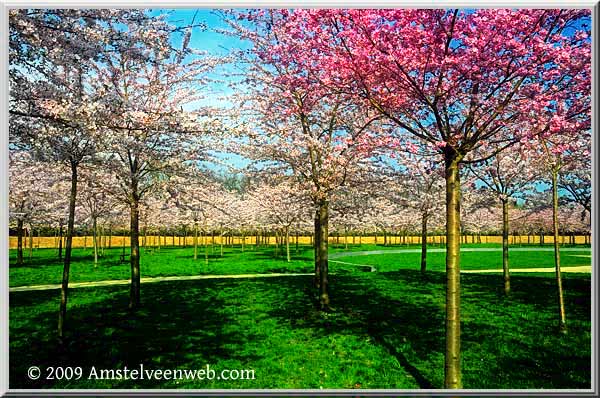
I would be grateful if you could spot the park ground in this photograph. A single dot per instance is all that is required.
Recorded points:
(386, 329)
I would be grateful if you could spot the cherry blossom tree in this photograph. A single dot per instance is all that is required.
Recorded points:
(281, 205)
(419, 169)
(148, 133)
(33, 190)
(508, 175)
(456, 79)
(295, 118)
(97, 199)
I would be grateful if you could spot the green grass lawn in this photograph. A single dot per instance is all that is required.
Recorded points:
(386, 331)
(436, 261)
(45, 267)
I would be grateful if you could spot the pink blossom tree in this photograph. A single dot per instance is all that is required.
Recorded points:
(508, 175)
(300, 127)
(456, 79)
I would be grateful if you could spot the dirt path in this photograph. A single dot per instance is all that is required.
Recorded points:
(580, 268)
(464, 249)
(584, 268)
(148, 280)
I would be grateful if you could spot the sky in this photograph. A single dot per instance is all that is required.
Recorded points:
(216, 43)
(211, 41)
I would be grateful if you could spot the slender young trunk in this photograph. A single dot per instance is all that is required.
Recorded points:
(424, 217)
(297, 241)
(206, 247)
(505, 269)
(95, 240)
(30, 241)
(60, 242)
(323, 254)
(316, 241)
(110, 237)
(134, 293)
(102, 241)
(243, 240)
(221, 241)
(62, 313)
(287, 243)
(195, 241)
(562, 321)
(20, 242)
(346, 238)
(452, 367)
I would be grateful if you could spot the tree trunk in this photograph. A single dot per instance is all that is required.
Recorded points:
(323, 254)
(287, 243)
(102, 241)
(195, 241)
(20, 242)
(62, 313)
(60, 242)
(30, 241)
(452, 366)
(221, 241)
(562, 322)
(424, 242)
(134, 293)
(206, 247)
(316, 241)
(346, 238)
(505, 269)
(95, 240)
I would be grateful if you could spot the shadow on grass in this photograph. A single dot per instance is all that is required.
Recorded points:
(365, 311)
(179, 326)
(508, 342)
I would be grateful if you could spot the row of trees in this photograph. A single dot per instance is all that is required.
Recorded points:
(357, 118)
(332, 87)
(206, 203)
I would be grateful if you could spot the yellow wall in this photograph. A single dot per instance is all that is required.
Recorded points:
(118, 241)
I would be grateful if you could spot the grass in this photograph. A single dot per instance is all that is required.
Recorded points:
(436, 261)
(386, 331)
(45, 267)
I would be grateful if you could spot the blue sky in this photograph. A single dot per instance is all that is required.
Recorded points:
(208, 40)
